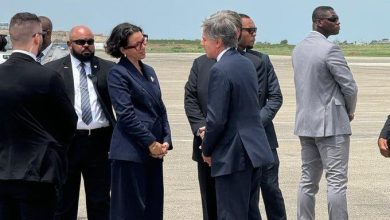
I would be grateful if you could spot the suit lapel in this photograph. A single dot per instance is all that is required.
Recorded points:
(67, 74)
(95, 67)
(132, 71)
(49, 54)
(229, 52)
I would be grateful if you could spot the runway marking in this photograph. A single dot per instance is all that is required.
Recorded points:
(369, 64)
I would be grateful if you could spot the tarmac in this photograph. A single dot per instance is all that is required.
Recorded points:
(369, 177)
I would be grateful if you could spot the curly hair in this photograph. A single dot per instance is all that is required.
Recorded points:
(118, 38)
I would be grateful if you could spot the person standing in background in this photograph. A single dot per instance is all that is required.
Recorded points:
(85, 77)
(49, 52)
(326, 96)
(270, 99)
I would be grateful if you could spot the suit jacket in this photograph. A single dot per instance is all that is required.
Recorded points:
(235, 136)
(140, 111)
(196, 91)
(100, 69)
(37, 122)
(325, 89)
(54, 53)
(271, 99)
(385, 132)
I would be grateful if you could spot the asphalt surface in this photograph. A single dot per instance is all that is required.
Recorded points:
(369, 175)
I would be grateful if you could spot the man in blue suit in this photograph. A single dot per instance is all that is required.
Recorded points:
(235, 144)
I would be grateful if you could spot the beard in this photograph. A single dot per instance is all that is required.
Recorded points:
(84, 57)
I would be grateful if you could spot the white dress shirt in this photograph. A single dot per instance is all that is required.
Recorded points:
(25, 52)
(222, 53)
(99, 120)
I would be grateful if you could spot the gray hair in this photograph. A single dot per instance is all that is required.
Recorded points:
(225, 25)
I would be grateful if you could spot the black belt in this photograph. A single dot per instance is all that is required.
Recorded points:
(91, 132)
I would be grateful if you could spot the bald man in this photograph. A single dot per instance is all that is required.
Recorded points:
(85, 79)
(49, 52)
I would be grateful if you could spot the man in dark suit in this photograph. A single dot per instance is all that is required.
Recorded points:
(195, 104)
(37, 123)
(383, 137)
(270, 100)
(235, 144)
(86, 85)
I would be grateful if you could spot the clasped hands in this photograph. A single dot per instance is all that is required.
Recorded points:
(158, 150)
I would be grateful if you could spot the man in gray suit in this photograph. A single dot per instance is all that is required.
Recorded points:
(49, 52)
(326, 95)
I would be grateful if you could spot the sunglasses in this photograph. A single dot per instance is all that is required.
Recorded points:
(82, 42)
(138, 45)
(250, 30)
(43, 33)
(333, 19)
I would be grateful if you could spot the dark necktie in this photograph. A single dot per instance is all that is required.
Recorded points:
(39, 57)
(86, 113)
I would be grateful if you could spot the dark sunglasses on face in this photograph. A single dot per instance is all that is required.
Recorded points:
(138, 44)
(333, 19)
(43, 33)
(250, 30)
(82, 42)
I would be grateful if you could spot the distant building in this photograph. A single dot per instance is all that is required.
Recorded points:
(4, 26)
(383, 41)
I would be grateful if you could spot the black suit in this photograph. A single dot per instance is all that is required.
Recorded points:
(385, 132)
(37, 123)
(88, 154)
(271, 101)
(195, 104)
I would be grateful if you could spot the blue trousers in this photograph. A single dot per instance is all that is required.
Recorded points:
(137, 191)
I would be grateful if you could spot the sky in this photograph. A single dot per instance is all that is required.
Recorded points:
(277, 20)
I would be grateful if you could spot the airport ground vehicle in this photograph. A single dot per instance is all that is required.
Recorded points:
(5, 48)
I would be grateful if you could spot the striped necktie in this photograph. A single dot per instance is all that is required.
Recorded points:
(39, 57)
(86, 113)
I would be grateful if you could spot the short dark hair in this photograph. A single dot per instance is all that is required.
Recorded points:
(118, 38)
(23, 26)
(45, 20)
(320, 11)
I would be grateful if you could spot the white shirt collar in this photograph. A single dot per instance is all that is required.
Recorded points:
(76, 62)
(47, 49)
(25, 52)
(222, 53)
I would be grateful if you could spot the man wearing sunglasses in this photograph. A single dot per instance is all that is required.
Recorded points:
(49, 52)
(85, 77)
(270, 99)
(326, 96)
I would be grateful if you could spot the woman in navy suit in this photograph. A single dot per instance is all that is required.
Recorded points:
(141, 137)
